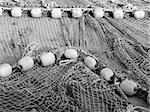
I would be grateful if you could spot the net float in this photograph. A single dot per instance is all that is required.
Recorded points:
(1, 11)
(98, 12)
(139, 14)
(56, 13)
(118, 14)
(129, 87)
(16, 12)
(47, 58)
(107, 73)
(5, 70)
(36, 12)
(26, 63)
(77, 12)
(71, 53)
(90, 62)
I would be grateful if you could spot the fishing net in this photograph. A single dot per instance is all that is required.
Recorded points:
(69, 85)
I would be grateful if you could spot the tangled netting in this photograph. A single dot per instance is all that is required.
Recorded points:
(66, 88)
(70, 86)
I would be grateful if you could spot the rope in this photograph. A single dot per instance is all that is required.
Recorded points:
(132, 108)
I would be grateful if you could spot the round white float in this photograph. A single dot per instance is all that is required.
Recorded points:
(36, 12)
(26, 63)
(107, 73)
(16, 12)
(5, 70)
(98, 12)
(148, 98)
(139, 14)
(77, 12)
(1, 11)
(56, 13)
(71, 53)
(90, 62)
(128, 87)
(47, 58)
(118, 14)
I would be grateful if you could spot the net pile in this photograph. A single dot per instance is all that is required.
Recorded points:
(67, 88)
(70, 86)
(119, 45)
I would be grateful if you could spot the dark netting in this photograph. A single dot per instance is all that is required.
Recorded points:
(91, 93)
(69, 85)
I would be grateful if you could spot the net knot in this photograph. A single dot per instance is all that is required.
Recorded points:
(65, 62)
(130, 7)
(49, 5)
(131, 108)
(29, 50)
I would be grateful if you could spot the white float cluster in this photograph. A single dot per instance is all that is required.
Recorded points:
(77, 12)
(26, 63)
(45, 59)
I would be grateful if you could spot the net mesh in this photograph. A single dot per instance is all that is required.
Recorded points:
(70, 86)
(60, 88)
(78, 90)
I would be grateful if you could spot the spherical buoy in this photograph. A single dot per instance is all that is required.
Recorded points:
(26, 63)
(36, 12)
(56, 13)
(5, 70)
(107, 73)
(77, 12)
(71, 53)
(16, 12)
(47, 58)
(90, 62)
(118, 14)
(98, 12)
(139, 14)
(129, 87)
(1, 11)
